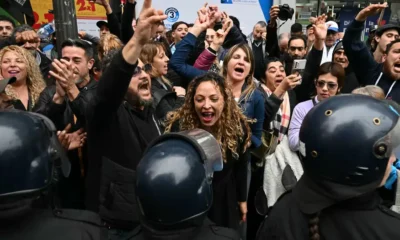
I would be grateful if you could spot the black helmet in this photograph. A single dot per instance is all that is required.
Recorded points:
(175, 175)
(346, 143)
(29, 149)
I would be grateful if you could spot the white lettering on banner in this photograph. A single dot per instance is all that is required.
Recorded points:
(20, 2)
(179, 10)
(245, 1)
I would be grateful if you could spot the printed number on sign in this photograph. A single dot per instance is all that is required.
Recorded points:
(173, 14)
(47, 17)
(86, 6)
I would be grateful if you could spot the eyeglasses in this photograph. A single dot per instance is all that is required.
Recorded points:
(331, 85)
(138, 70)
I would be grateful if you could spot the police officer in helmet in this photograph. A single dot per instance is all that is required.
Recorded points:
(174, 188)
(349, 144)
(30, 160)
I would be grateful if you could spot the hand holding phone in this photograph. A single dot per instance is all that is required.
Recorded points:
(298, 66)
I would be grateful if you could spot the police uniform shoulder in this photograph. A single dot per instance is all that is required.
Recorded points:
(79, 216)
(224, 233)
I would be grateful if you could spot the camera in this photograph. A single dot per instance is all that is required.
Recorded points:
(285, 12)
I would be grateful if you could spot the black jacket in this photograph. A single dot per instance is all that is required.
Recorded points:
(45, 64)
(350, 82)
(362, 218)
(58, 224)
(118, 134)
(63, 114)
(367, 70)
(209, 231)
(165, 100)
(71, 192)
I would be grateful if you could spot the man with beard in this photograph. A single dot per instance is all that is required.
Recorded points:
(297, 49)
(33, 47)
(297, 45)
(383, 36)
(367, 70)
(121, 126)
(6, 27)
(66, 103)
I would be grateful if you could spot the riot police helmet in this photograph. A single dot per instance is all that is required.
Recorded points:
(29, 154)
(346, 143)
(174, 177)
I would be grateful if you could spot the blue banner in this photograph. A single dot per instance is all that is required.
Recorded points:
(266, 6)
(347, 15)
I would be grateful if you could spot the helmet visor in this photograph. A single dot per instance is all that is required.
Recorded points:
(212, 155)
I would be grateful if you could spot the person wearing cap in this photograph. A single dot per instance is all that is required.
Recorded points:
(166, 208)
(103, 27)
(306, 89)
(112, 24)
(383, 36)
(348, 146)
(330, 41)
(31, 162)
(367, 70)
(339, 56)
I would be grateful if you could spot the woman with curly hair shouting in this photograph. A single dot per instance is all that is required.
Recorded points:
(17, 62)
(209, 105)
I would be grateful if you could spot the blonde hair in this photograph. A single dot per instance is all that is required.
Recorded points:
(34, 79)
(251, 86)
(107, 43)
(371, 90)
(232, 126)
(147, 55)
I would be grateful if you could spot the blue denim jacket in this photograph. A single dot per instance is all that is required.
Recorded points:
(253, 108)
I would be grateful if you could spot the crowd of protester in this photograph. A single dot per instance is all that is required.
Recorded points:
(111, 96)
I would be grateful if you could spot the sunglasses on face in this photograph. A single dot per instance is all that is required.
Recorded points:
(138, 70)
(322, 83)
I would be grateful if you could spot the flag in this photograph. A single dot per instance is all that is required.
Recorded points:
(5, 13)
(21, 10)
